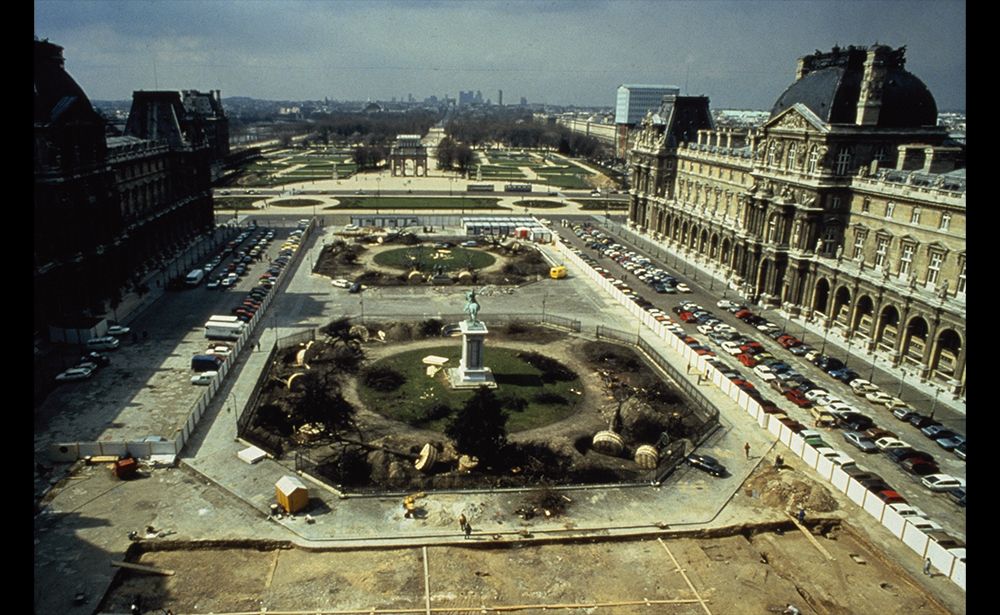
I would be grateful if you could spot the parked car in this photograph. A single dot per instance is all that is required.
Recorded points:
(903, 413)
(960, 451)
(204, 378)
(957, 495)
(862, 443)
(919, 467)
(706, 464)
(118, 330)
(75, 373)
(106, 342)
(876, 432)
(920, 421)
(899, 454)
(98, 359)
(942, 482)
(887, 443)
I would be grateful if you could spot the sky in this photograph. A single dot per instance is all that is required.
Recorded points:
(741, 54)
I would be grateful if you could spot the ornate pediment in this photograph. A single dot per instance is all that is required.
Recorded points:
(797, 117)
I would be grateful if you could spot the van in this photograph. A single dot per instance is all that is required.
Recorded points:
(102, 343)
(195, 277)
(205, 362)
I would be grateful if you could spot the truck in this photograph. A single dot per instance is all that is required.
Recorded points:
(195, 277)
(558, 272)
(224, 330)
(222, 318)
(205, 362)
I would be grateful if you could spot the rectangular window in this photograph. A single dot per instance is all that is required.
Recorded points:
(881, 249)
(934, 268)
(915, 216)
(961, 279)
(866, 205)
(889, 208)
(905, 260)
(945, 221)
(859, 247)
(843, 162)
(835, 203)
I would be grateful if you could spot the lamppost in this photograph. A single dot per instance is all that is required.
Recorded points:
(902, 377)
(847, 358)
(378, 191)
(937, 391)
(826, 331)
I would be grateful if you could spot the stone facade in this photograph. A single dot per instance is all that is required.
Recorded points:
(847, 207)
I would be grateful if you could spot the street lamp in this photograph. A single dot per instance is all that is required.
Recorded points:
(826, 331)
(902, 377)
(937, 391)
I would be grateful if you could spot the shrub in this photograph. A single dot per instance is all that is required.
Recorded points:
(383, 378)
(549, 398)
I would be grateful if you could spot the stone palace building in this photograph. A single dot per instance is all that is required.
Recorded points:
(846, 208)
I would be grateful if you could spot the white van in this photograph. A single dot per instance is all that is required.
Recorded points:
(102, 343)
(195, 277)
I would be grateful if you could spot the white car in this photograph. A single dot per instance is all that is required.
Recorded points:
(352, 227)
(341, 283)
(726, 304)
(705, 329)
(765, 373)
(942, 482)
(204, 378)
(682, 287)
(907, 511)
(732, 348)
(220, 349)
(75, 373)
(840, 406)
(896, 402)
(118, 330)
(887, 443)
(862, 387)
(879, 397)
(811, 395)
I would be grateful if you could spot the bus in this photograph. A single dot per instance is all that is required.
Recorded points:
(221, 318)
(195, 277)
(480, 188)
(517, 188)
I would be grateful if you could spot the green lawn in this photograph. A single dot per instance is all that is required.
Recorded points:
(402, 202)
(453, 259)
(515, 377)
(537, 203)
(295, 202)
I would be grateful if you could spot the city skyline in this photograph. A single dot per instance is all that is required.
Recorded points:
(739, 54)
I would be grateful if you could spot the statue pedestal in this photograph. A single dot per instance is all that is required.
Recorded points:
(470, 373)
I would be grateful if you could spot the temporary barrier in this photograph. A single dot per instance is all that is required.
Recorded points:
(958, 573)
(796, 444)
(809, 455)
(774, 425)
(786, 435)
(856, 492)
(873, 505)
(839, 479)
(824, 467)
(893, 521)
(915, 539)
(940, 557)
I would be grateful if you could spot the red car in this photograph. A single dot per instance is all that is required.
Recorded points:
(770, 408)
(789, 341)
(890, 497)
(687, 316)
(746, 359)
(796, 397)
(743, 313)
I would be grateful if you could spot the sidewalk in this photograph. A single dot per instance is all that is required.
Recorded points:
(835, 343)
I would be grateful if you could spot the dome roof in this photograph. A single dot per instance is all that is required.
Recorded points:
(832, 92)
(57, 95)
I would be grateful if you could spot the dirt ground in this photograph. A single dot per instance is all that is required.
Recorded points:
(757, 573)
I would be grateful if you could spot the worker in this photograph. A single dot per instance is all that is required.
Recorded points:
(790, 609)
(409, 505)
(462, 522)
(802, 514)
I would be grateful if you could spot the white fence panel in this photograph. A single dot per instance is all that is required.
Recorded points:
(809, 455)
(753, 408)
(893, 521)
(874, 506)
(744, 399)
(762, 419)
(718, 379)
(839, 479)
(139, 449)
(940, 558)
(774, 425)
(163, 448)
(958, 573)
(786, 434)
(915, 539)
(118, 449)
(856, 492)
(824, 467)
(65, 452)
(89, 449)
(795, 444)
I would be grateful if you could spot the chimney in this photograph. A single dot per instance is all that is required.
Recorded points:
(911, 157)
(940, 159)
(878, 61)
(729, 139)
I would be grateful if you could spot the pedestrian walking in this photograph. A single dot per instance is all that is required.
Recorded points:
(802, 515)
(746, 449)
(778, 461)
(462, 522)
(927, 566)
(468, 530)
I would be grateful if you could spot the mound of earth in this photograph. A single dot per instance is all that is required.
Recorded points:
(781, 489)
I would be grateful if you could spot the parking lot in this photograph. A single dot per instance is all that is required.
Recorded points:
(773, 367)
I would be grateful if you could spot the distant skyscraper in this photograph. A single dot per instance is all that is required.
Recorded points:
(634, 101)
(500, 98)
(524, 101)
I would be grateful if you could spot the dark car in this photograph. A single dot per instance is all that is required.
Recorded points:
(919, 466)
(355, 288)
(98, 359)
(920, 421)
(957, 495)
(874, 484)
(706, 464)
(898, 455)
(890, 497)
(828, 364)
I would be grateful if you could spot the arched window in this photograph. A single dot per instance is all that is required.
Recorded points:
(790, 157)
(813, 159)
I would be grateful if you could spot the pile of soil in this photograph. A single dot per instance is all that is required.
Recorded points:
(782, 490)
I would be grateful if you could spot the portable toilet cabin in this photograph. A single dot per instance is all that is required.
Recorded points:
(291, 493)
